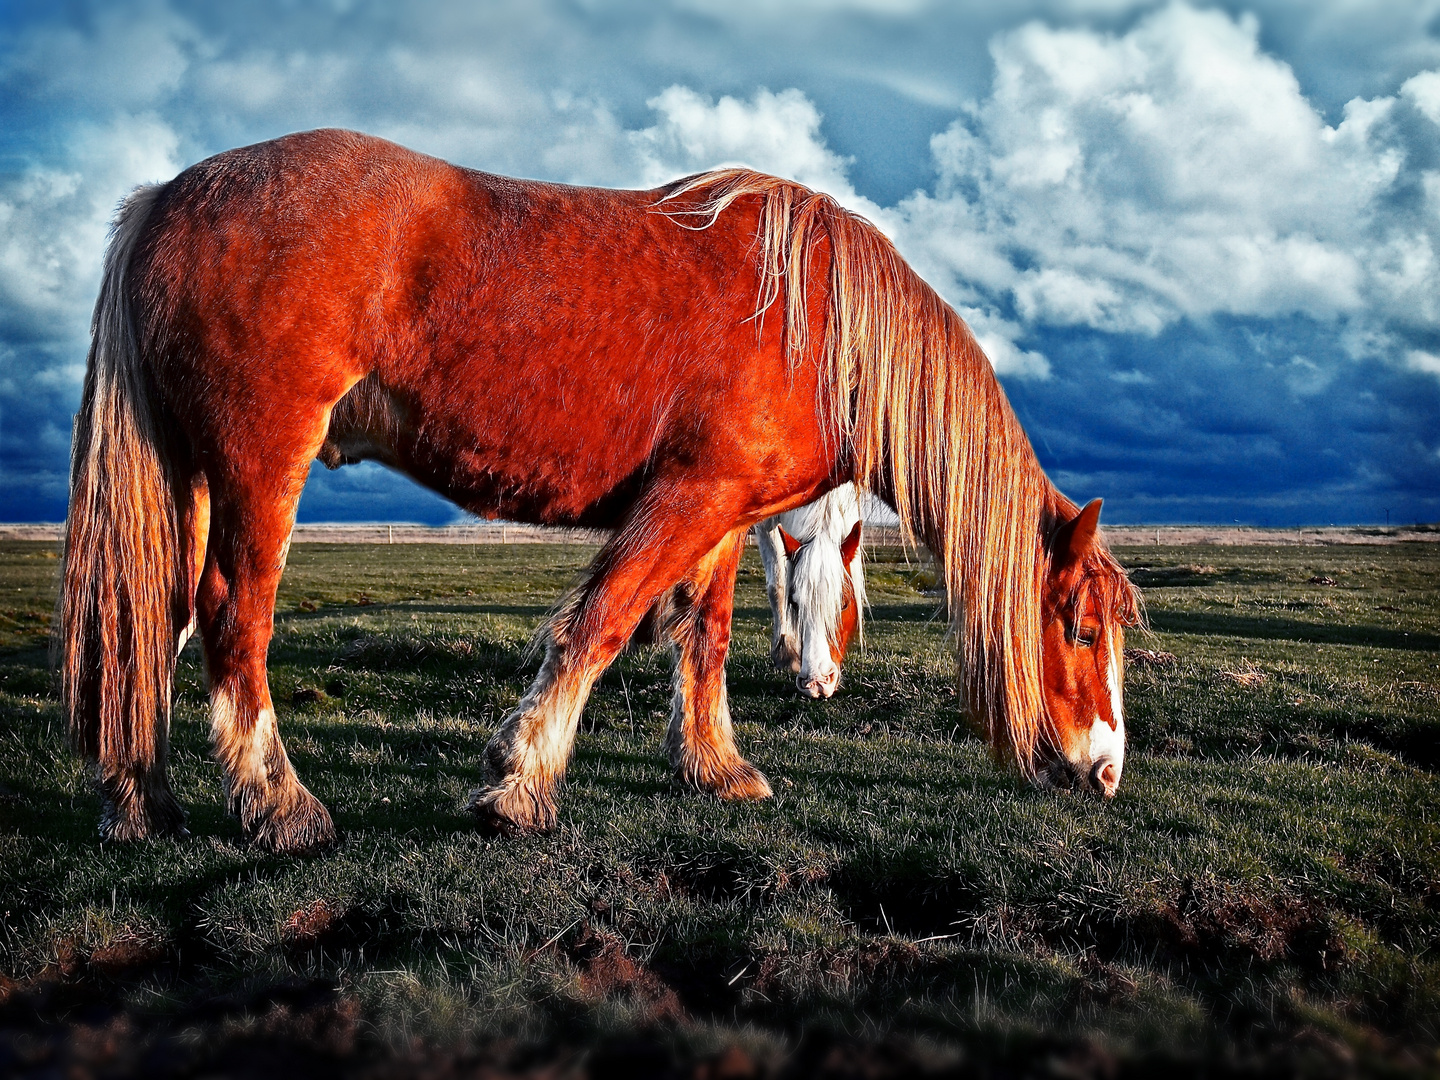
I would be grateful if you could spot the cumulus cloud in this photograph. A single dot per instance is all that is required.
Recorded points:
(53, 221)
(998, 337)
(777, 132)
(1123, 182)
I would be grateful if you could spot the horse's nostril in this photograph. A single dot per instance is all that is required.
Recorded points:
(1106, 777)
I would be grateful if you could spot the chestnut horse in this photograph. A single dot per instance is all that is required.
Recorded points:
(673, 365)
(815, 580)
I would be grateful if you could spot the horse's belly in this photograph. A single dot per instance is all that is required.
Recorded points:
(490, 448)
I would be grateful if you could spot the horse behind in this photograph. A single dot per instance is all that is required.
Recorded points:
(815, 579)
(673, 365)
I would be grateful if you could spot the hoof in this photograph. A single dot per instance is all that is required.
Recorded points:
(734, 781)
(512, 808)
(301, 827)
(148, 817)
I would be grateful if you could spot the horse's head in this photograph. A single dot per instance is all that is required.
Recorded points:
(824, 605)
(1086, 605)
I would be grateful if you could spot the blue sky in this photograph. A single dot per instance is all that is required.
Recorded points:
(1198, 242)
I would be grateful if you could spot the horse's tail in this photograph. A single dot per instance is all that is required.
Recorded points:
(122, 590)
(909, 395)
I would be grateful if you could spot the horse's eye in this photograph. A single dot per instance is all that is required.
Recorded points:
(1084, 637)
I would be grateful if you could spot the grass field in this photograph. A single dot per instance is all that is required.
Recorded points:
(1263, 896)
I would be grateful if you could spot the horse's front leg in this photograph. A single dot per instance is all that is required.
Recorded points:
(784, 643)
(701, 739)
(526, 759)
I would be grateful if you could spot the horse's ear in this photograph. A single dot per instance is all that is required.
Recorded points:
(1077, 536)
(791, 544)
(850, 545)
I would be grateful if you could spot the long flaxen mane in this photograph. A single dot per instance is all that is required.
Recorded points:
(910, 393)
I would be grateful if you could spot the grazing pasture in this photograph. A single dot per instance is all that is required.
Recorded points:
(1262, 894)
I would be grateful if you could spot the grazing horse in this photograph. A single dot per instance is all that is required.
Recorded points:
(673, 365)
(816, 583)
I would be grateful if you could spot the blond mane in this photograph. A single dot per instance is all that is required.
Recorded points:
(914, 399)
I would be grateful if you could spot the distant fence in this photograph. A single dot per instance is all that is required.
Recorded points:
(484, 532)
(494, 532)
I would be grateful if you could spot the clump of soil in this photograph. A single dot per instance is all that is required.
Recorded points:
(1204, 918)
(131, 951)
(1247, 679)
(1150, 658)
(308, 926)
(607, 970)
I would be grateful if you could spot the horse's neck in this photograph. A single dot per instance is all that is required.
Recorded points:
(832, 515)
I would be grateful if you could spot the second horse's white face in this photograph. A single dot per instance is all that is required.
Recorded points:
(823, 605)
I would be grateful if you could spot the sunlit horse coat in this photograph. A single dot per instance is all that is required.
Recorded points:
(674, 365)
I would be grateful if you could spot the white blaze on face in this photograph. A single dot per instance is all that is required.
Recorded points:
(1107, 744)
(817, 581)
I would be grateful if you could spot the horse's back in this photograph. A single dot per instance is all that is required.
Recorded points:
(346, 245)
(540, 349)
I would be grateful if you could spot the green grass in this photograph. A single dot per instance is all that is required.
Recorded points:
(1263, 892)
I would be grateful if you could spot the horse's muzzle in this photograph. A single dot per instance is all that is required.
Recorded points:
(819, 686)
(1101, 777)
(785, 655)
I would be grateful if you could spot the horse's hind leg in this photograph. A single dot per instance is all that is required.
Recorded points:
(700, 740)
(249, 538)
(194, 539)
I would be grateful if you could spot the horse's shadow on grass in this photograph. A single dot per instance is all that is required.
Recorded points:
(43, 810)
(632, 773)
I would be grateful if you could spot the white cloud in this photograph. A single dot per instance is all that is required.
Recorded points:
(1419, 360)
(1123, 182)
(778, 133)
(1423, 91)
(997, 337)
(53, 221)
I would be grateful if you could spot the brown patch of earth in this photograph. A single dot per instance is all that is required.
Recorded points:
(608, 971)
(1205, 918)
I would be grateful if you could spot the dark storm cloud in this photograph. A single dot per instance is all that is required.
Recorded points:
(1229, 421)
